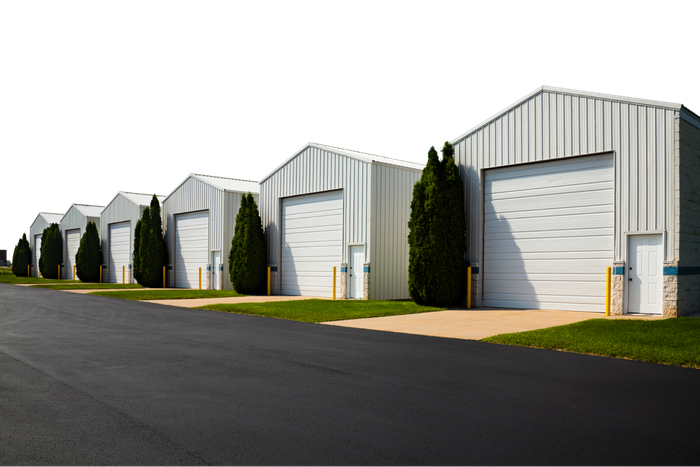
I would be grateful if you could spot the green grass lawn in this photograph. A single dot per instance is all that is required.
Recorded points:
(670, 341)
(12, 279)
(87, 285)
(169, 294)
(317, 311)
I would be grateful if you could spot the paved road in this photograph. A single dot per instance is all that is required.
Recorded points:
(94, 380)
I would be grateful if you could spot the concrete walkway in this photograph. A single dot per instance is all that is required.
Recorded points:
(475, 323)
(195, 302)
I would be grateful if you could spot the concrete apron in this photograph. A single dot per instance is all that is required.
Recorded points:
(476, 323)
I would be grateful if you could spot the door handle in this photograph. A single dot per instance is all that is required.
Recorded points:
(630, 279)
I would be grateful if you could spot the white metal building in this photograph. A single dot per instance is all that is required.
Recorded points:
(73, 224)
(562, 184)
(42, 221)
(326, 207)
(117, 227)
(199, 219)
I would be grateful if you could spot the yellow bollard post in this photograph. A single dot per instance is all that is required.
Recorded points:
(607, 291)
(59, 271)
(123, 274)
(200, 278)
(469, 287)
(100, 273)
(333, 282)
(268, 280)
(28, 271)
(73, 272)
(163, 276)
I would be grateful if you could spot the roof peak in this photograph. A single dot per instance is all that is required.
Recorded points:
(224, 178)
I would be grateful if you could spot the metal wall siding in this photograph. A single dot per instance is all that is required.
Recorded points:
(552, 124)
(315, 170)
(74, 219)
(392, 191)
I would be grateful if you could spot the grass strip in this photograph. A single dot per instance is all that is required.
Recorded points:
(669, 341)
(317, 311)
(168, 294)
(12, 279)
(81, 286)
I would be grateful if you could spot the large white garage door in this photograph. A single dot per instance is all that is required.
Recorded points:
(548, 234)
(37, 254)
(119, 246)
(312, 243)
(72, 245)
(191, 248)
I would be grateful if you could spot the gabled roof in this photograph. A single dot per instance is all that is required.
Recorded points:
(50, 217)
(349, 153)
(87, 210)
(139, 199)
(685, 112)
(222, 183)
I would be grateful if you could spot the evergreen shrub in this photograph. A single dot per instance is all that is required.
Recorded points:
(21, 257)
(436, 239)
(89, 257)
(248, 256)
(51, 252)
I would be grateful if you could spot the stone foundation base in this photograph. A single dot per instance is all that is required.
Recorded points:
(365, 290)
(343, 281)
(670, 309)
(618, 288)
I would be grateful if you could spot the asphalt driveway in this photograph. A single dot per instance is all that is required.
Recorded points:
(95, 380)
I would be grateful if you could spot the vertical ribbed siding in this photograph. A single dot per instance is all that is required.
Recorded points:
(120, 209)
(315, 170)
(550, 124)
(74, 219)
(392, 191)
(194, 195)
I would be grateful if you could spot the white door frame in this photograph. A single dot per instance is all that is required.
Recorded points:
(351, 264)
(215, 269)
(626, 252)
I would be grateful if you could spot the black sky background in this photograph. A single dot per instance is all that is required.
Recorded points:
(86, 119)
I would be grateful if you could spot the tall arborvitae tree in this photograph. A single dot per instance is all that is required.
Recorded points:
(51, 252)
(437, 233)
(248, 253)
(89, 256)
(156, 256)
(152, 252)
(21, 257)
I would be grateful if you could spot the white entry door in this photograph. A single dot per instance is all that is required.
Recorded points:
(356, 272)
(645, 274)
(216, 262)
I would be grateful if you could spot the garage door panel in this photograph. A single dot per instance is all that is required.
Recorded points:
(567, 211)
(557, 169)
(191, 248)
(553, 223)
(547, 276)
(37, 254)
(552, 244)
(527, 234)
(572, 182)
(548, 299)
(319, 221)
(568, 200)
(549, 234)
(312, 243)
(559, 286)
(515, 190)
(552, 266)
